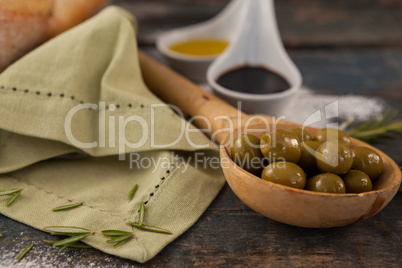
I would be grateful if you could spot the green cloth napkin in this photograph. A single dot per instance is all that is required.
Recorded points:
(107, 149)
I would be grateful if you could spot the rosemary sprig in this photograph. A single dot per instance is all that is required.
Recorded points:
(117, 237)
(62, 248)
(24, 252)
(114, 233)
(10, 192)
(132, 192)
(140, 224)
(149, 228)
(376, 130)
(141, 213)
(74, 241)
(14, 192)
(13, 198)
(66, 230)
(119, 240)
(70, 240)
(66, 207)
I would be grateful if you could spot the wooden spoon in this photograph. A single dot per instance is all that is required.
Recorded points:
(278, 202)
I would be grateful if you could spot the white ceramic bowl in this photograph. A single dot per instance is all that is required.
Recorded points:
(257, 44)
(222, 27)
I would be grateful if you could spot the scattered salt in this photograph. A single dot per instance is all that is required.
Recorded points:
(331, 108)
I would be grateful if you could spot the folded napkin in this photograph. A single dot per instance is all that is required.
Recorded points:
(78, 124)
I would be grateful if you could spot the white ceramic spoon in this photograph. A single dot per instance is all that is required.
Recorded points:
(258, 44)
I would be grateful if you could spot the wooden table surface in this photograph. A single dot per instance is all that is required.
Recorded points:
(341, 47)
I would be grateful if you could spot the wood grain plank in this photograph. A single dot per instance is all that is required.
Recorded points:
(303, 23)
(229, 234)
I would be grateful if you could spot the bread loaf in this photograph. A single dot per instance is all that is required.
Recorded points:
(25, 24)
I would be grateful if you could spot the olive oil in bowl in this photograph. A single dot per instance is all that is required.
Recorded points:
(202, 47)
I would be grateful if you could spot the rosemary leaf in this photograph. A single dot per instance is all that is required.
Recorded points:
(117, 237)
(13, 198)
(377, 130)
(114, 233)
(66, 230)
(345, 124)
(78, 244)
(132, 192)
(24, 252)
(120, 238)
(70, 240)
(149, 228)
(141, 213)
(69, 206)
(63, 248)
(121, 242)
(10, 192)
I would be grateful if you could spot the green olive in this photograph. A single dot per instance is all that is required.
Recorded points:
(280, 145)
(302, 134)
(368, 161)
(307, 159)
(246, 153)
(285, 173)
(326, 183)
(329, 134)
(334, 157)
(357, 181)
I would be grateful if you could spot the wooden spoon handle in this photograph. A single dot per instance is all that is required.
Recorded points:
(209, 113)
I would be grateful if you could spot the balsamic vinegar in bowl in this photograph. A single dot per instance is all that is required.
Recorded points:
(253, 80)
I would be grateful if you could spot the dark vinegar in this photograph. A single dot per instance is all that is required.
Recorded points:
(254, 80)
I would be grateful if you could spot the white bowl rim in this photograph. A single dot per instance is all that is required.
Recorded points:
(162, 46)
(256, 97)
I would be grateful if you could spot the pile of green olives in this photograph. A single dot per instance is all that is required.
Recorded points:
(324, 163)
